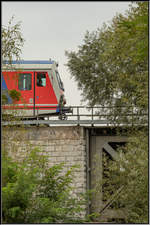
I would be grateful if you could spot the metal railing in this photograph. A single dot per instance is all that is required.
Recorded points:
(105, 113)
(83, 115)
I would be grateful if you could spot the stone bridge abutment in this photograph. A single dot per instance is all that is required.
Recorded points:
(73, 145)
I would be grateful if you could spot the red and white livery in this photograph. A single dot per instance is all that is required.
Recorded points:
(40, 86)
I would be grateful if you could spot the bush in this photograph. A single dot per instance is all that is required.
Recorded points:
(130, 172)
(34, 193)
(15, 95)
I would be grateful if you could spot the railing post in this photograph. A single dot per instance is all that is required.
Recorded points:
(78, 117)
(92, 116)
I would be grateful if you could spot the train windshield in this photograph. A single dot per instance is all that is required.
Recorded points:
(61, 85)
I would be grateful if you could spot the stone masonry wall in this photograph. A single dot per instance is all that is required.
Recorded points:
(61, 144)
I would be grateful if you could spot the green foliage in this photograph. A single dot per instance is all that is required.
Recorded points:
(15, 95)
(9, 169)
(130, 172)
(34, 193)
(4, 98)
(12, 41)
(111, 66)
(111, 69)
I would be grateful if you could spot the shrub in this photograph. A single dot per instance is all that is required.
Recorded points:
(34, 193)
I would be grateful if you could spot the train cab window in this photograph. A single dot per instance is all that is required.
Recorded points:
(41, 79)
(25, 81)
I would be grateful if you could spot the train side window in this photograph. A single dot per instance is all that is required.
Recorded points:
(25, 81)
(41, 79)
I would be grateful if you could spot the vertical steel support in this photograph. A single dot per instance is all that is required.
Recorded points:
(96, 173)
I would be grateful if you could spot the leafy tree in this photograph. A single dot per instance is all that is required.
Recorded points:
(111, 69)
(12, 41)
(111, 66)
(130, 174)
(33, 192)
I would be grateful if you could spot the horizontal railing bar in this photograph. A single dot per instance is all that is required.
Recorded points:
(85, 115)
(106, 115)
(55, 122)
(99, 106)
(73, 107)
(61, 122)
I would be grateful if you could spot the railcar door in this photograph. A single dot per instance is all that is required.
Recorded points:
(25, 87)
(45, 98)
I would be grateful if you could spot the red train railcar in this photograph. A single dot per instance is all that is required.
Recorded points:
(40, 87)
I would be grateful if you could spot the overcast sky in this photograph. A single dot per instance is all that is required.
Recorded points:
(50, 28)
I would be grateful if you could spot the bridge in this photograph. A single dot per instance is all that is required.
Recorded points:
(87, 133)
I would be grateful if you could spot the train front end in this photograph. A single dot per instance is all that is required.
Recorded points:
(40, 88)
